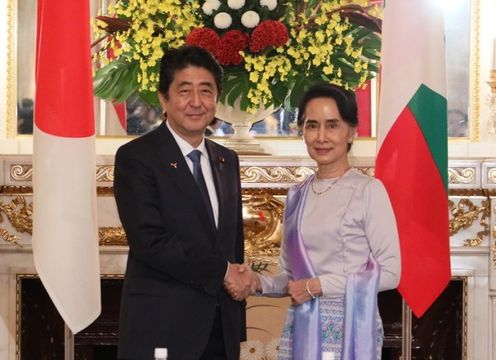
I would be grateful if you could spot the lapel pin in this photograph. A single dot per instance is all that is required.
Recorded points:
(222, 160)
(173, 165)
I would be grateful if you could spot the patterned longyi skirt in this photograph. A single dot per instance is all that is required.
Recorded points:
(332, 320)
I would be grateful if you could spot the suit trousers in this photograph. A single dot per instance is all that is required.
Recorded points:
(215, 349)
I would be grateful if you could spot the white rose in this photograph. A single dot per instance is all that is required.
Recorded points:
(209, 6)
(222, 20)
(235, 4)
(271, 4)
(250, 19)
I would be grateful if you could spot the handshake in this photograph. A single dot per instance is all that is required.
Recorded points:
(241, 281)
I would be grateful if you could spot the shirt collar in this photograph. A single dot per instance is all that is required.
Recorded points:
(185, 146)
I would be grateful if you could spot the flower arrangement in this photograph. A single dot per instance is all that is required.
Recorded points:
(270, 50)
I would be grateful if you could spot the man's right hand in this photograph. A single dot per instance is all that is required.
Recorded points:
(239, 281)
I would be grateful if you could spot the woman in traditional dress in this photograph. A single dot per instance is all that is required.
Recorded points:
(340, 242)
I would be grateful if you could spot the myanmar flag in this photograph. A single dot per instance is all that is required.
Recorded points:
(65, 241)
(412, 144)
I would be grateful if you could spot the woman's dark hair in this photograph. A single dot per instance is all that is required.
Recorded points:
(183, 57)
(345, 101)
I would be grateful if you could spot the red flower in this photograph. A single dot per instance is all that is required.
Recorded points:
(268, 33)
(110, 50)
(229, 46)
(110, 54)
(203, 37)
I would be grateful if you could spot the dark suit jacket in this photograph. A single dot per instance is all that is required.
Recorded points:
(177, 259)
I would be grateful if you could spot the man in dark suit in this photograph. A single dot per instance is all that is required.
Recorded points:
(179, 200)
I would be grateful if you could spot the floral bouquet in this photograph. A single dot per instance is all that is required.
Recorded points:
(270, 50)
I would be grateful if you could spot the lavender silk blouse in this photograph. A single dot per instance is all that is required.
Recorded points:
(340, 228)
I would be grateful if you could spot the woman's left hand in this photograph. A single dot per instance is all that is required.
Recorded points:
(298, 290)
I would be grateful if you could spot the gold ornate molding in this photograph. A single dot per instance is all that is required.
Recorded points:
(105, 191)
(281, 175)
(262, 220)
(105, 173)
(468, 192)
(112, 236)
(474, 90)
(491, 176)
(8, 237)
(19, 213)
(249, 174)
(11, 130)
(16, 189)
(21, 172)
(366, 170)
(285, 174)
(464, 214)
(459, 175)
(24, 172)
(261, 191)
(262, 233)
(275, 174)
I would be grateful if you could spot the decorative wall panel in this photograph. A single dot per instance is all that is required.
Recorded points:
(472, 208)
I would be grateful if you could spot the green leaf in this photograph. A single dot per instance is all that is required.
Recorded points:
(116, 81)
(149, 97)
(244, 102)
(298, 90)
(373, 42)
(236, 86)
(236, 91)
(360, 33)
(231, 79)
(371, 54)
(105, 74)
(127, 84)
(279, 92)
(374, 68)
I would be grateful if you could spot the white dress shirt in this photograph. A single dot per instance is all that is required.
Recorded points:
(186, 148)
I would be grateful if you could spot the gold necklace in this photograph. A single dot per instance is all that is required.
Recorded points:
(329, 187)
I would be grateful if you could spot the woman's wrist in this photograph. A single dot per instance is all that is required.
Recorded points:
(309, 292)
(256, 284)
(314, 288)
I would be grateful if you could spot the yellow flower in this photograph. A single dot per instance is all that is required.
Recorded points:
(328, 69)
(254, 76)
